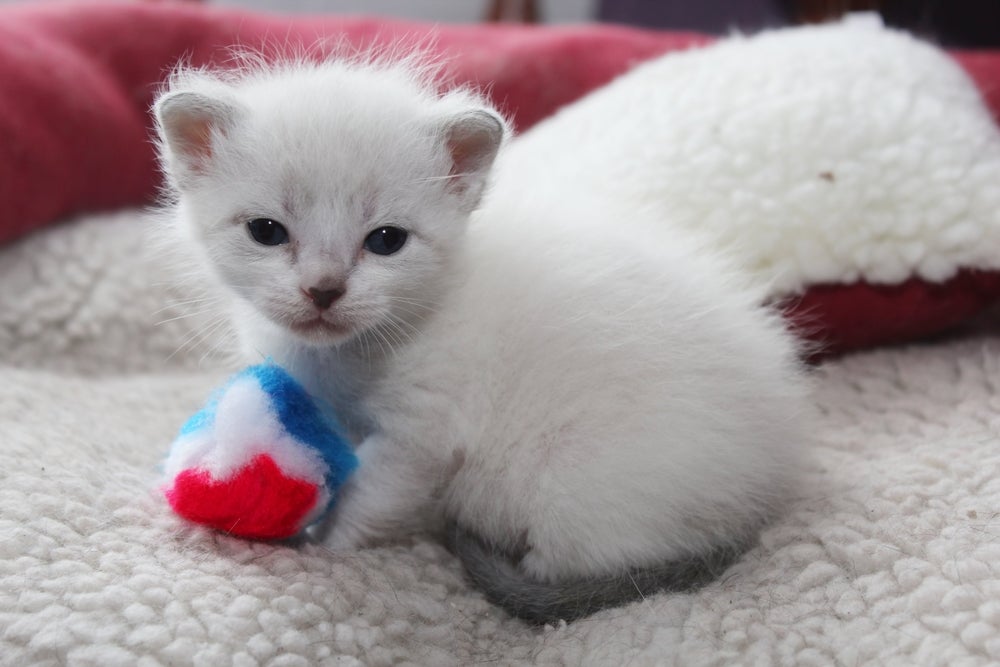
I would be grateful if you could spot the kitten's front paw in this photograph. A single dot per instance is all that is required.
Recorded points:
(344, 538)
(259, 460)
(345, 528)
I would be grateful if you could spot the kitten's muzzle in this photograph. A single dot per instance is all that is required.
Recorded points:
(323, 298)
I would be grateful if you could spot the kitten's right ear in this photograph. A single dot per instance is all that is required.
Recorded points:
(190, 124)
(473, 139)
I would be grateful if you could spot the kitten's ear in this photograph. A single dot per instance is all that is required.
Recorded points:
(189, 124)
(473, 139)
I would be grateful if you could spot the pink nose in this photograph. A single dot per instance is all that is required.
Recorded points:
(323, 298)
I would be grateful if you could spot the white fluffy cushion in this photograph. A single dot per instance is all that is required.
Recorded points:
(843, 155)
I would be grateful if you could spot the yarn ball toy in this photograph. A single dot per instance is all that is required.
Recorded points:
(261, 460)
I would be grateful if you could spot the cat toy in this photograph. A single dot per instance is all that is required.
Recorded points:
(261, 460)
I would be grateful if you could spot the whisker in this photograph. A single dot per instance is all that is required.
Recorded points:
(420, 303)
(384, 338)
(186, 302)
(193, 313)
(449, 177)
(199, 336)
(397, 324)
(214, 349)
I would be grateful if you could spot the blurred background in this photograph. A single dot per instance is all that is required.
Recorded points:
(969, 23)
(953, 23)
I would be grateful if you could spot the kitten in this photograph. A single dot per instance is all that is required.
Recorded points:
(593, 413)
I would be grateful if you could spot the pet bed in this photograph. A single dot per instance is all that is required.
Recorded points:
(889, 554)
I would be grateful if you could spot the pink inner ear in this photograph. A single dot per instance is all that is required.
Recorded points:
(194, 134)
(460, 159)
(472, 143)
(466, 151)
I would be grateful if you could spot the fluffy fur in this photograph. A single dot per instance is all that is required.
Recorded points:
(588, 399)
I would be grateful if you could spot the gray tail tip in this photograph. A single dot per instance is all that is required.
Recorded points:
(506, 585)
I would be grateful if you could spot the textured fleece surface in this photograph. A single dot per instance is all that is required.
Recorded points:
(890, 555)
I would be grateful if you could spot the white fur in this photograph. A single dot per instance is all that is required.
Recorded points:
(824, 154)
(551, 378)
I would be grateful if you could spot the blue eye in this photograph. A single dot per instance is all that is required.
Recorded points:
(386, 240)
(267, 232)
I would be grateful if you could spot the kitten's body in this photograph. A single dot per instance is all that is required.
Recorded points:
(582, 402)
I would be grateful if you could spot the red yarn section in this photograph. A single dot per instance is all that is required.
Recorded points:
(259, 501)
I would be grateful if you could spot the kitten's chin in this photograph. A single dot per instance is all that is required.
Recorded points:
(320, 332)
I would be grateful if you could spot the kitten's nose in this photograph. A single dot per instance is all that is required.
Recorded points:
(323, 298)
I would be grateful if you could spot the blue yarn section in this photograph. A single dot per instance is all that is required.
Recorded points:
(205, 417)
(302, 417)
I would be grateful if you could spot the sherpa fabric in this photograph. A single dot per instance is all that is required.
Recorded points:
(889, 555)
(842, 154)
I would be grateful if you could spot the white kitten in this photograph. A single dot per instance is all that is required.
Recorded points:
(594, 413)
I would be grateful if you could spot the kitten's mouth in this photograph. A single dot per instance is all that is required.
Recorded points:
(317, 326)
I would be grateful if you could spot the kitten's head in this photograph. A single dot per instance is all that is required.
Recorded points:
(328, 197)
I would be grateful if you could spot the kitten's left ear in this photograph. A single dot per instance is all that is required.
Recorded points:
(473, 139)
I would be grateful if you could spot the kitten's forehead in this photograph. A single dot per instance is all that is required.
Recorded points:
(354, 109)
(323, 205)
(341, 138)
(335, 147)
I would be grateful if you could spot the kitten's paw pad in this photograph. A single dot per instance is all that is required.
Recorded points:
(260, 460)
(259, 501)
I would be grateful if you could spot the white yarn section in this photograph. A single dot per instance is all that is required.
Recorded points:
(245, 426)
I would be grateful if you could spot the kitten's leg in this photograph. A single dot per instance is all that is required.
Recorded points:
(390, 494)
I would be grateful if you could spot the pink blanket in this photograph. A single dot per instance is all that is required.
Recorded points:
(77, 80)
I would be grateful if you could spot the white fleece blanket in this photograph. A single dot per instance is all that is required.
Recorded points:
(821, 154)
(890, 555)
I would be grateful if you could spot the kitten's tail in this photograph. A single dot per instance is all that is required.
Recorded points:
(508, 586)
